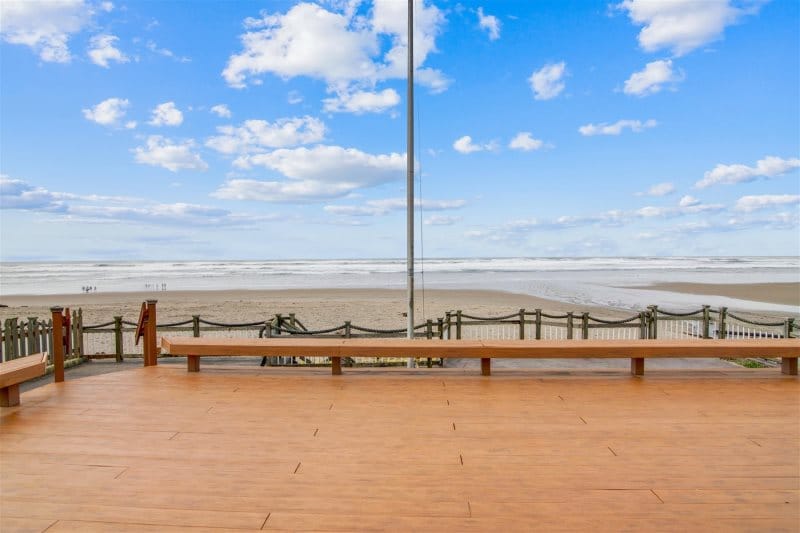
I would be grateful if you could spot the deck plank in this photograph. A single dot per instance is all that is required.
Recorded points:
(157, 449)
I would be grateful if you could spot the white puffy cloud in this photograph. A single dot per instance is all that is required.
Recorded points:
(682, 25)
(296, 44)
(102, 49)
(659, 189)
(294, 97)
(548, 81)
(765, 201)
(688, 201)
(162, 152)
(45, 27)
(258, 135)
(441, 220)
(490, 23)
(108, 112)
(769, 167)
(617, 127)
(652, 79)
(166, 114)
(524, 141)
(18, 194)
(362, 101)
(166, 52)
(465, 145)
(388, 205)
(108, 7)
(314, 174)
(221, 110)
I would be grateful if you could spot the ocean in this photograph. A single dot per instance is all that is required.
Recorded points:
(616, 282)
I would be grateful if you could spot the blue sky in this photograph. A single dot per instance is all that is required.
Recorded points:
(274, 130)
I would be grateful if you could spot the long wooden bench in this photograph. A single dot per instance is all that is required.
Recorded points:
(16, 371)
(637, 350)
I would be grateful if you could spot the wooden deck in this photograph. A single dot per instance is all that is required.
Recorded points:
(160, 449)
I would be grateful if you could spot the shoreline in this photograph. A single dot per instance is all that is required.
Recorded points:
(378, 307)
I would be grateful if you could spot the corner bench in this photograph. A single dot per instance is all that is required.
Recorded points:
(637, 350)
(15, 371)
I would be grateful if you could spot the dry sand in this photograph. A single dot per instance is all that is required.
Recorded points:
(775, 293)
(320, 308)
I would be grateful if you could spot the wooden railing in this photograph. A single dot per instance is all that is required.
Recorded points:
(21, 337)
(115, 338)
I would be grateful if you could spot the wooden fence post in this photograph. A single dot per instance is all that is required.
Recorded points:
(788, 326)
(722, 328)
(33, 330)
(118, 338)
(79, 324)
(347, 332)
(570, 325)
(521, 324)
(538, 324)
(706, 321)
(150, 334)
(458, 324)
(14, 334)
(643, 332)
(653, 333)
(195, 325)
(57, 344)
(440, 328)
(448, 319)
(585, 325)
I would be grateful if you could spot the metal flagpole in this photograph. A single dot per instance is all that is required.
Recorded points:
(410, 177)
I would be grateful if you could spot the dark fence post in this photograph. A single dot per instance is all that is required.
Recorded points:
(33, 328)
(788, 326)
(458, 324)
(706, 321)
(347, 329)
(723, 327)
(195, 325)
(570, 324)
(538, 324)
(57, 344)
(653, 321)
(585, 325)
(643, 324)
(118, 339)
(522, 324)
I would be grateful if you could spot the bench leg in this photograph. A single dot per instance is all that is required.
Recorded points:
(789, 366)
(486, 366)
(193, 363)
(336, 366)
(9, 396)
(637, 366)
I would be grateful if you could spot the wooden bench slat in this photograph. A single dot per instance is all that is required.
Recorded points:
(637, 350)
(22, 369)
(14, 372)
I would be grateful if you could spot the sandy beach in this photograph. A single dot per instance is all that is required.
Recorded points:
(776, 293)
(319, 308)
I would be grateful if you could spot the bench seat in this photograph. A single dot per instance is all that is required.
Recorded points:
(637, 350)
(16, 371)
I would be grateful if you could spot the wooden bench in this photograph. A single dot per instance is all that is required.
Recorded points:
(485, 350)
(14, 372)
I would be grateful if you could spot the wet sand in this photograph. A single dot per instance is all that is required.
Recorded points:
(774, 293)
